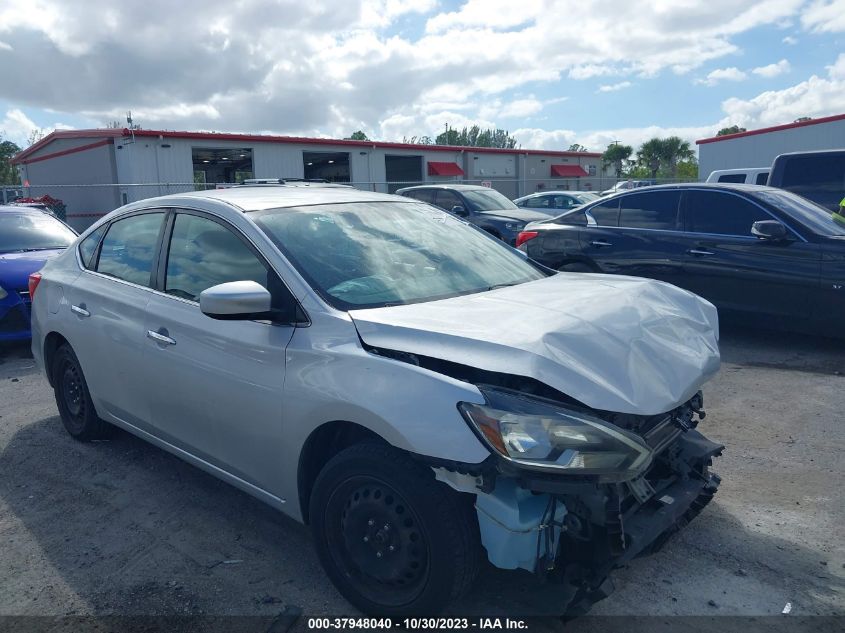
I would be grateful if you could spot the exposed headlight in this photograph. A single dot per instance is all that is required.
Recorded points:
(544, 435)
(3, 293)
(514, 226)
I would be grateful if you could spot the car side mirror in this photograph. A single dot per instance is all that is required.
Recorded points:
(460, 211)
(236, 301)
(771, 230)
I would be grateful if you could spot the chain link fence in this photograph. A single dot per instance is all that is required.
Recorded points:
(82, 204)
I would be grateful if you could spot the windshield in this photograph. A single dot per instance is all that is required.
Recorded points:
(32, 232)
(363, 255)
(487, 200)
(586, 197)
(815, 217)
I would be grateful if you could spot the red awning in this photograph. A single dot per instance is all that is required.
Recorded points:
(444, 169)
(568, 171)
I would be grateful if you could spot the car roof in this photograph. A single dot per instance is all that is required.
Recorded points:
(459, 187)
(260, 197)
(724, 186)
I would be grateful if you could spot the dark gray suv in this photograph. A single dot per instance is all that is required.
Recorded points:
(484, 207)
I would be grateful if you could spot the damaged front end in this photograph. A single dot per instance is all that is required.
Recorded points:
(573, 492)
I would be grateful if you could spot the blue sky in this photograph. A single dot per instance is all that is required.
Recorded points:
(553, 72)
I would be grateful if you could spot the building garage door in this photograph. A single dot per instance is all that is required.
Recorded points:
(402, 171)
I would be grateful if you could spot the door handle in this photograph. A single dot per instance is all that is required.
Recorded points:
(80, 310)
(600, 243)
(160, 338)
(700, 252)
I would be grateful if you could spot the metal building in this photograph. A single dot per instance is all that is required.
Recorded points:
(94, 171)
(758, 148)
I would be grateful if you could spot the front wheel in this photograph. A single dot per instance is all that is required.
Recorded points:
(393, 540)
(72, 397)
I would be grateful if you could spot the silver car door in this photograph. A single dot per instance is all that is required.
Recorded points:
(106, 314)
(217, 384)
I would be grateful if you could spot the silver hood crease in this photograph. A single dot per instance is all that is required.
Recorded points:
(622, 344)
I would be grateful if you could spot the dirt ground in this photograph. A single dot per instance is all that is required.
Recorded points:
(122, 528)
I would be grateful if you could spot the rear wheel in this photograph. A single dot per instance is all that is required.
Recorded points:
(392, 539)
(72, 397)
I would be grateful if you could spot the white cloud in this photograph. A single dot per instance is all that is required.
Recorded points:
(824, 16)
(773, 70)
(815, 97)
(792, 41)
(614, 87)
(16, 126)
(327, 68)
(722, 74)
(598, 140)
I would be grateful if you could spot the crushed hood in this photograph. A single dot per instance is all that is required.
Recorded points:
(614, 343)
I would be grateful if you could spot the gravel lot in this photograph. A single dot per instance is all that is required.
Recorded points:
(120, 527)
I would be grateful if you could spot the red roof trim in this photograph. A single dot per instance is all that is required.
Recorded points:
(444, 169)
(261, 138)
(776, 128)
(65, 152)
(568, 171)
(58, 134)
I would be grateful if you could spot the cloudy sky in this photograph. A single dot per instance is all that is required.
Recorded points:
(553, 72)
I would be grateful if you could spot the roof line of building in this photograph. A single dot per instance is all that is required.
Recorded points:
(266, 138)
(64, 152)
(775, 128)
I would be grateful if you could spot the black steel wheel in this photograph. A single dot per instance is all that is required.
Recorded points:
(72, 397)
(392, 539)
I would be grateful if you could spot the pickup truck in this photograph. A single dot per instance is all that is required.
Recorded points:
(818, 176)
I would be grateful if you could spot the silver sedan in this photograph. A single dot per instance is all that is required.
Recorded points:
(418, 392)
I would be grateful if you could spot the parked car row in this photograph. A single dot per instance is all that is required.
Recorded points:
(759, 252)
(419, 394)
(28, 238)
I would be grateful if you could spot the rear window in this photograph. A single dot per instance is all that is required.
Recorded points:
(32, 231)
(819, 177)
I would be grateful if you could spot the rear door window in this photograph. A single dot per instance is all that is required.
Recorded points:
(606, 213)
(762, 178)
(538, 202)
(423, 195)
(88, 246)
(738, 178)
(129, 248)
(721, 213)
(657, 210)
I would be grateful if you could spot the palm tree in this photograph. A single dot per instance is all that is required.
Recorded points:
(651, 155)
(675, 150)
(657, 153)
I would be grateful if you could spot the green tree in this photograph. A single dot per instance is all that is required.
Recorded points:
(8, 172)
(616, 156)
(733, 129)
(577, 147)
(664, 155)
(476, 137)
(650, 156)
(357, 136)
(688, 170)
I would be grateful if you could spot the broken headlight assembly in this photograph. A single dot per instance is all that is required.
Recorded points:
(545, 435)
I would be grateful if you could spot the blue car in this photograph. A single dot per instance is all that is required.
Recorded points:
(28, 238)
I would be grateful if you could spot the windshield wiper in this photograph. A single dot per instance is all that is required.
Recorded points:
(496, 286)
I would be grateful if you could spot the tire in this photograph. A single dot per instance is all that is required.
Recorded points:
(576, 267)
(73, 399)
(393, 540)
